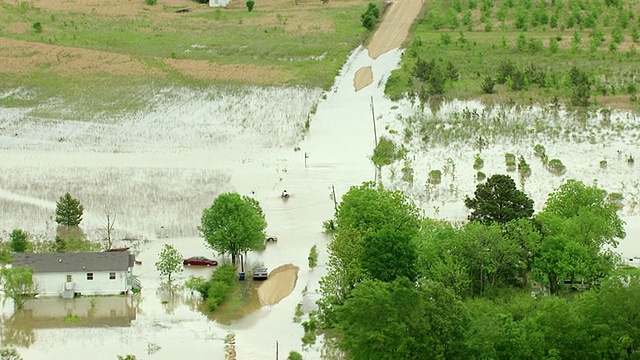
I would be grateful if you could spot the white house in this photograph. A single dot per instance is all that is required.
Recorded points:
(219, 3)
(75, 274)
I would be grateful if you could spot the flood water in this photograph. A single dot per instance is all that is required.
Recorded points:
(159, 170)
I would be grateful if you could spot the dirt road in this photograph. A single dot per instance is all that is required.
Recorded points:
(392, 31)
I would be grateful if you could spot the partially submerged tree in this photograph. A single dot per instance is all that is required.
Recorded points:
(170, 261)
(18, 284)
(109, 219)
(233, 224)
(498, 200)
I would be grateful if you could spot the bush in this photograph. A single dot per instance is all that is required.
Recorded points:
(150, 2)
(250, 4)
(556, 166)
(539, 150)
(370, 16)
(294, 356)
(480, 176)
(478, 163)
(37, 27)
(313, 257)
(435, 177)
(488, 84)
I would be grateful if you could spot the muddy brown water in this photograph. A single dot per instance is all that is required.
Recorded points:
(163, 168)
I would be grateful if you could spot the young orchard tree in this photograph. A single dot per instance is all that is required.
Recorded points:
(170, 261)
(498, 200)
(68, 211)
(17, 284)
(233, 224)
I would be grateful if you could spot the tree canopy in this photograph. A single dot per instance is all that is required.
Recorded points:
(233, 224)
(68, 211)
(19, 241)
(498, 200)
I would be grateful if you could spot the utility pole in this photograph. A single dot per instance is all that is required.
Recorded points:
(335, 201)
(373, 117)
(306, 156)
(276, 350)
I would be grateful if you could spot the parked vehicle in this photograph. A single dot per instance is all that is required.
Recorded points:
(260, 273)
(269, 238)
(199, 261)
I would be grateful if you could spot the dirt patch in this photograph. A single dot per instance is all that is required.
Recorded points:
(394, 27)
(21, 57)
(363, 78)
(280, 284)
(202, 69)
(126, 8)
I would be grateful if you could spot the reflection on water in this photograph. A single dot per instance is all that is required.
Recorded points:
(243, 301)
(109, 311)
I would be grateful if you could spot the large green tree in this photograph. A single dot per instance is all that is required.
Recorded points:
(170, 261)
(498, 200)
(68, 211)
(400, 320)
(578, 226)
(18, 284)
(233, 224)
(368, 214)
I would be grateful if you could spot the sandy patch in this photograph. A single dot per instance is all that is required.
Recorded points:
(394, 27)
(202, 69)
(280, 284)
(22, 57)
(363, 78)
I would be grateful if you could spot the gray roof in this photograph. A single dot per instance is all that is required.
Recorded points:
(75, 262)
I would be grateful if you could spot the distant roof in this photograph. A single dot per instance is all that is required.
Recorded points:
(75, 262)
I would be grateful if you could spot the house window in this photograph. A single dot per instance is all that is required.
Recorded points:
(112, 276)
(89, 276)
(69, 278)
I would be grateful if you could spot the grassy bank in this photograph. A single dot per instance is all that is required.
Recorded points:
(114, 49)
(541, 42)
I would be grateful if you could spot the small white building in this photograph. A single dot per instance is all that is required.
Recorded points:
(75, 274)
(219, 3)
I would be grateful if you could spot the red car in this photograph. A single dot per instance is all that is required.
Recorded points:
(200, 261)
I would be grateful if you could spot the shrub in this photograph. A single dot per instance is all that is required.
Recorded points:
(523, 168)
(370, 16)
(313, 257)
(539, 150)
(37, 27)
(480, 176)
(435, 177)
(556, 166)
(250, 4)
(478, 163)
(488, 84)
(294, 356)
(150, 2)
(603, 164)
(505, 70)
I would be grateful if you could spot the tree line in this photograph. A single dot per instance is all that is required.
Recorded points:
(507, 284)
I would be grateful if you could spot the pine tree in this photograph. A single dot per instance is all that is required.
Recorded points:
(68, 211)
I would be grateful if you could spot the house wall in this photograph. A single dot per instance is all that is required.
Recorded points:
(219, 3)
(51, 284)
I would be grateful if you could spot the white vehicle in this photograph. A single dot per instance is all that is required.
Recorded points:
(260, 273)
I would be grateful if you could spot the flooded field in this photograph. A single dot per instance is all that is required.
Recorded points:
(157, 171)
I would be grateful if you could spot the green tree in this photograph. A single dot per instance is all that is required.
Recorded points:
(313, 257)
(578, 226)
(389, 254)
(68, 211)
(170, 261)
(364, 211)
(401, 321)
(498, 200)
(250, 4)
(19, 241)
(385, 153)
(233, 224)
(18, 284)
(9, 354)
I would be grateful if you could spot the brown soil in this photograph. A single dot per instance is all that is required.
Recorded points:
(394, 27)
(211, 71)
(363, 78)
(279, 285)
